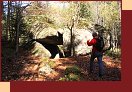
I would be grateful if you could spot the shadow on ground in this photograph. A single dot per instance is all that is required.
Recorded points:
(26, 67)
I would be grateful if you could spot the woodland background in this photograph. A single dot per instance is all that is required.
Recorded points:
(46, 40)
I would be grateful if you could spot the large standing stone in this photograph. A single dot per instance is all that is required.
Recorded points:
(40, 50)
(80, 40)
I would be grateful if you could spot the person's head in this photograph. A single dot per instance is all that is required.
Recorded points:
(94, 34)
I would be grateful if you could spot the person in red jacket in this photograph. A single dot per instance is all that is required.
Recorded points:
(96, 54)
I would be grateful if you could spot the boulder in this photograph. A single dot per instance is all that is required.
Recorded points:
(50, 38)
(80, 40)
(40, 50)
(46, 50)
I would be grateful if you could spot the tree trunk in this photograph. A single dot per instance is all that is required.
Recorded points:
(8, 21)
(18, 21)
(71, 37)
(75, 23)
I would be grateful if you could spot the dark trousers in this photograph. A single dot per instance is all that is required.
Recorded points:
(99, 56)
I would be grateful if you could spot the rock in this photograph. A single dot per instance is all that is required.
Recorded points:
(46, 69)
(81, 36)
(57, 56)
(47, 50)
(80, 40)
(40, 50)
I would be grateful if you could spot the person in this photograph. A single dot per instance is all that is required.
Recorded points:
(96, 54)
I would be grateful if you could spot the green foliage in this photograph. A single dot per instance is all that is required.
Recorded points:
(111, 13)
(83, 23)
(84, 10)
(114, 54)
(73, 77)
(62, 79)
(72, 73)
(51, 63)
(72, 69)
(45, 16)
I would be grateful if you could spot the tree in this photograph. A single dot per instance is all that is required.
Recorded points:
(8, 20)
(26, 21)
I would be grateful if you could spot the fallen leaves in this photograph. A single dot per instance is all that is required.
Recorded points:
(26, 68)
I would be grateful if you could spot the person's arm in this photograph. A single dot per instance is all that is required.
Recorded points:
(92, 42)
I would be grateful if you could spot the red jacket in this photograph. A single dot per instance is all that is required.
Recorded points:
(91, 43)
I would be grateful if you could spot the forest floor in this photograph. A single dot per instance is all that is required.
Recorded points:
(28, 68)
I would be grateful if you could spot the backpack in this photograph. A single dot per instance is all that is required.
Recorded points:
(99, 44)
